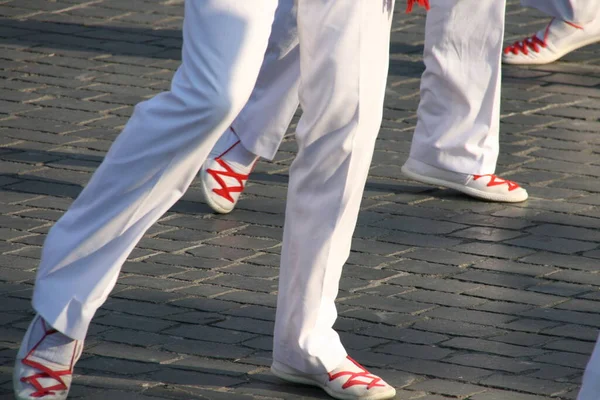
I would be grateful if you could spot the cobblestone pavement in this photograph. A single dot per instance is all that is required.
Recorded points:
(445, 296)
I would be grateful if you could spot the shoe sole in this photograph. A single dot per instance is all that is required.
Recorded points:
(464, 189)
(305, 381)
(557, 56)
(206, 193)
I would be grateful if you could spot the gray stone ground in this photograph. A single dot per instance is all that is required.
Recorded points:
(445, 296)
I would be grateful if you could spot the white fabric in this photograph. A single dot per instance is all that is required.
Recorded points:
(560, 38)
(264, 120)
(576, 11)
(344, 59)
(459, 112)
(363, 385)
(50, 348)
(590, 388)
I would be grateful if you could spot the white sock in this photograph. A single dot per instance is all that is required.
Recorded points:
(230, 148)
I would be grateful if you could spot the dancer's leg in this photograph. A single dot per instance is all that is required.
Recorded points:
(574, 24)
(590, 387)
(264, 120)
(344, 59)
(459, 112)
(153, 161)
(259, 128)
(577, 11)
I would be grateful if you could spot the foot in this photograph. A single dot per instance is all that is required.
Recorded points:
(487, 187)
(556, 40)
(349, 381)
(225, 173)
(44, 367)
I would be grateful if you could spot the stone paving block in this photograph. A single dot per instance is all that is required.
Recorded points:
(404, 335)
(494, 250)
(134, 322)
(204, 290)
(470, 316)
(494, 362)
(207, 305)
(574, 346)
(433, 283)
(379, 247)
(526, 384)
(487, 234)
(209, 334)
(248, 297)
(153, 296)
(522, 339)
(449, 299)
(414, 351)
(218, 252)
(559, 245)
(518, 296)
(152, 283)
(567, 359)
(132, 353)
(495, 394)
(130, 336)
(492, 347)
(564, 316)
(514, 268)
(360, 259)
(97, 363)
(444, 370)
(423, 267)
(573, 331)
(386, 304)
(576, 277)
(244, 283)
(552, 372)
(247, 325)
(497, 279)
(255, 312)
(188, 261)
(207, 349)
(448, 388)
(560, 260)
(455, 328)
(377, 316)
(419, 225)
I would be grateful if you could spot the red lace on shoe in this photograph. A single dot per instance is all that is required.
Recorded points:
(534, 42)
(411, 3)
(45, 371)
(225, 191)
(496, 181)
(372, 380)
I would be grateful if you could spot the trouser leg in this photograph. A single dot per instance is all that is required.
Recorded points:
(576, 11)
(264, 120)
(590, 387)
(153, 161)
(459, 111)
(344, 48)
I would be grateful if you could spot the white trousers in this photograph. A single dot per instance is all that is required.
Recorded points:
(590, 388)
(264, 120)
(344, 49)
(459, 112)
(576, 11)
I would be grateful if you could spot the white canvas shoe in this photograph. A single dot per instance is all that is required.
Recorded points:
(487, 187)
(225, 173)
(556, 40)
(349, 381)
(44, 367)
